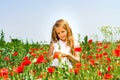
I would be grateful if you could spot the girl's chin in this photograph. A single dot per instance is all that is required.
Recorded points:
(63, 39)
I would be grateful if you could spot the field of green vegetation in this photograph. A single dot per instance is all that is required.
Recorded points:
(99, 60)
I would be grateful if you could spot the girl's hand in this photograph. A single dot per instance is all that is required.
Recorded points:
(65, 54)
(57, 55)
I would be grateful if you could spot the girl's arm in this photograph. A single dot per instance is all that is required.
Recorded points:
(73, 58)
(50, 51)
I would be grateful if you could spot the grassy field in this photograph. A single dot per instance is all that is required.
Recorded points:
(25, 61)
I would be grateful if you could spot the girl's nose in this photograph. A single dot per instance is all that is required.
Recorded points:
(61, 34)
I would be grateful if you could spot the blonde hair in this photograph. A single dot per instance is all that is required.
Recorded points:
(70, 39)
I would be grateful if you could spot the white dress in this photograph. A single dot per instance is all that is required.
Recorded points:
(61, 46)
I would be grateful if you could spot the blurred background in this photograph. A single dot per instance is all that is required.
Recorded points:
(32, 20)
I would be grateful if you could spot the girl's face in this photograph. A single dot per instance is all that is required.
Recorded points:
(62, 33)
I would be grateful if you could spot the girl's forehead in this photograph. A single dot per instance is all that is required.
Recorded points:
(62, 28)
(59, 29)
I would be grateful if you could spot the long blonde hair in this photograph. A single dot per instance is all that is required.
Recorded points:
(70, 39)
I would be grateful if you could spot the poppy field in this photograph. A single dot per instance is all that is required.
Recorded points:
(99, 60)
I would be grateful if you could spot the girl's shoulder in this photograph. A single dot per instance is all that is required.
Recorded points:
(55, 43)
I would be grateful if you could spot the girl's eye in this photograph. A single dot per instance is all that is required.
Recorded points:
(63, 31)
(58, 33)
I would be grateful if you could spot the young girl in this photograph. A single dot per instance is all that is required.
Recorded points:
(63, 44)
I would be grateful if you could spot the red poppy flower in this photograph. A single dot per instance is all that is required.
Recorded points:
(92, 62)
(99, 55)
(4, 73)
(116, 52)
(40, 59)
(105, 54)
(32, 49)
(6, 58)
(76, 70)
(51, 69)
(108, 59)
(70, 70)
(99, 49)
(99, 44)
(15, 53)
(41, 48)
(90, 41)
(118, 47)
(106, 46)
(78, 49)
(84, 56)
(107, 76)
(90, 57)
(26, 58)
(78, 65)
(45, 53)
(108, 68)
(57, 55)
(99, 73)
(32, 53)
(26, 61)
(19, 69)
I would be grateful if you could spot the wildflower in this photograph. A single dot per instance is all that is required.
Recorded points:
(90, 41)
(6, 58)
(45, 53)
(116, 52)
(109, 68)
(99, 44)
(50, 69)
(25, 58)
(99, 49)
(15, 53)
(19, 69)
(99, 73)
(32, 49)
(84, 56)
(107, 76)
(108, 59)
(105, 54)
(90, 57)
(4, 73)
(99, 55)
(118, 47)
(57, 55)
(76, 70)
(26, 61)
(41, 48)
(78, 65)
(78, 49)
(92, 62)
(40, 59)
(11, 73)
(70, 70)
(32, 53)
(106, 46)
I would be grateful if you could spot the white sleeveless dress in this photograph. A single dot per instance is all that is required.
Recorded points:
(61, 46)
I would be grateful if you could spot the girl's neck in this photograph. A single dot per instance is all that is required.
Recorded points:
(63, 40)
